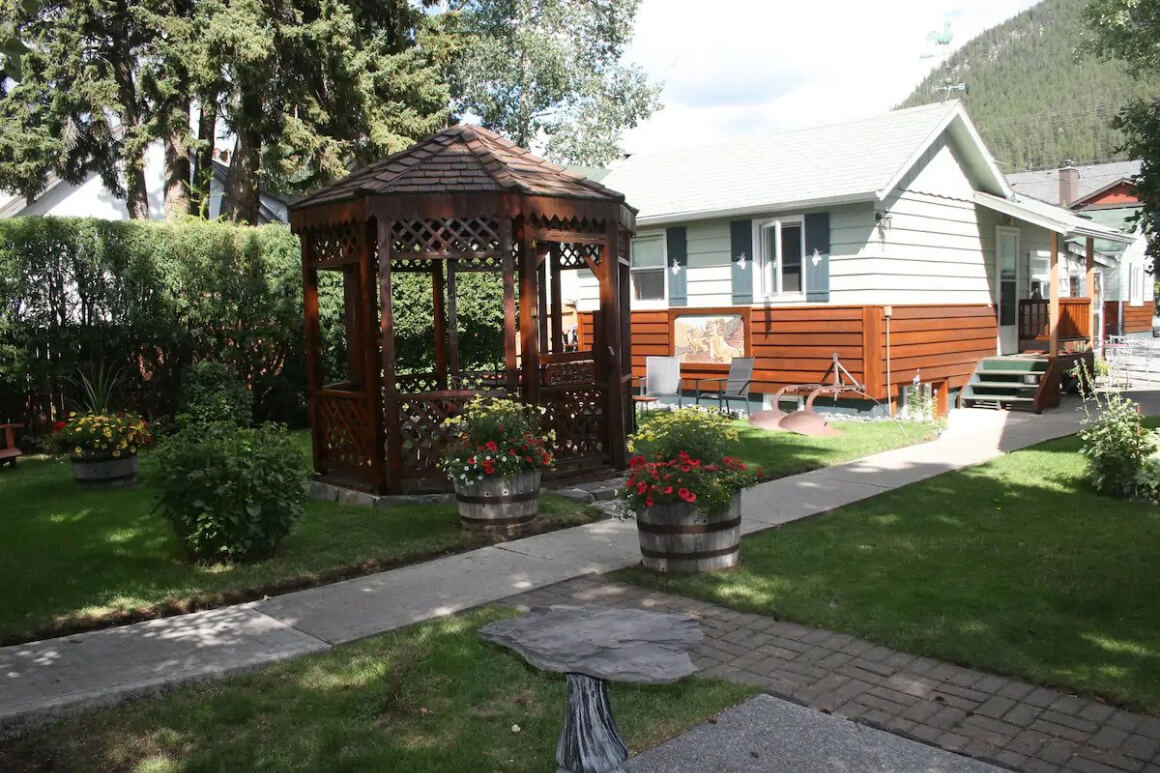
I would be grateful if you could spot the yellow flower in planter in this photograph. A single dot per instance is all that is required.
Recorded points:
(78, 451)
(116, 453)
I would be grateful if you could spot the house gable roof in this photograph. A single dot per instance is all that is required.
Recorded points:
(463, 159)
(861, 160)
(1043, 184)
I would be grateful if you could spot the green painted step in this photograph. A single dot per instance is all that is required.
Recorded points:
(997, 372)
(998, 398)
(1013, 365)
(1003, 385)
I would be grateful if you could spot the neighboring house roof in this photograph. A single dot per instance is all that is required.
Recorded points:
(266, 213)
(462, 159)
(851, 161)
(1043, 184)
(1053, 218)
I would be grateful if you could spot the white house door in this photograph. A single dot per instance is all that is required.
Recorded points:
(1007, 288)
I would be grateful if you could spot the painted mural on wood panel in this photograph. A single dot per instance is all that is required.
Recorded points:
(709, 338)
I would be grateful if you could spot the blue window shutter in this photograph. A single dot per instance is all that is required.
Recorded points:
(741, 257)
(817, 257)
(678, 268)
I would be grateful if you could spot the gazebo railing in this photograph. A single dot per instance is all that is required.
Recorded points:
(345, 432)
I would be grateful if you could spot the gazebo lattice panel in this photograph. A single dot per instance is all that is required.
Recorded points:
(578, 417)
(423, 435)
(572, 255)
(574, 224)
(447, 237)
(344, 424)
(336, 245)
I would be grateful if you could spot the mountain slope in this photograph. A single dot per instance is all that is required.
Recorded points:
(1035, 103)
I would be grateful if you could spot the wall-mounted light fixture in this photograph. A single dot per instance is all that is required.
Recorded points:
(882, 220)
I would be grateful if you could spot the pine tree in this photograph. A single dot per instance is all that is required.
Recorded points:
(316, 87)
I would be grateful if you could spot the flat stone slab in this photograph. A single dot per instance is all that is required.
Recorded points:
(620, 645)
(769, 734)
(44, 678)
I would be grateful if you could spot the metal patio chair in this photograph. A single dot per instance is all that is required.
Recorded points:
(735, 386)
(662, 378)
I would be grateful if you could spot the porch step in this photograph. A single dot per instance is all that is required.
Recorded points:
(1004, 385)
(1005, 382)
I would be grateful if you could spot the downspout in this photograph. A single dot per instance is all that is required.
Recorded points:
(888, 311)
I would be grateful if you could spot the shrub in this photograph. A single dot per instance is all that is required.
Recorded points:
(496, 438)
(231, 494)
(100, 435)
(211, 394)
(1120, 451)
(701, 433)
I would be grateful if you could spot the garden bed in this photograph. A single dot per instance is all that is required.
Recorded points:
(1016, 566)
(77, 560)
(432, 697)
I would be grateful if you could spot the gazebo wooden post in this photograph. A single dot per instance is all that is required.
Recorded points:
(557, 340)
(529, 328)
(610, 312)
(390, 396)
(372, 378)
(352, 312)
(542, 295)
(452, 319)
(1094, 335)
(440, 314)
(1053, 300)
(511, 371)
(313, 349)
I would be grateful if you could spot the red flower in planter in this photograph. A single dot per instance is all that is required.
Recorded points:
(58, 426)
(687, 495)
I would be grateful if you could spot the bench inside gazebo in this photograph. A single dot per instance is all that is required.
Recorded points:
(463, 200)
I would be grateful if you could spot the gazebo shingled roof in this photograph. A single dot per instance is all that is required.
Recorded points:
(464, 200)
(463, 158)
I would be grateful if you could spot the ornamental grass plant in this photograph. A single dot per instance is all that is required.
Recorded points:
(496, 438)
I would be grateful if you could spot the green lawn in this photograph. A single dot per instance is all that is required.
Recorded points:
(75, 559)
(432, 697)
(785, 453)
(1015, 566)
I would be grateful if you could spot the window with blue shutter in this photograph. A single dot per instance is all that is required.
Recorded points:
(678, 259)
(741, 258)
(817, 257)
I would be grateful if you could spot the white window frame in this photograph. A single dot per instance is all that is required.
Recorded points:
(768, 267)
(1136, 284)
(663, 303)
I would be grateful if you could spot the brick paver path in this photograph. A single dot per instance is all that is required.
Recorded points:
(981, 715)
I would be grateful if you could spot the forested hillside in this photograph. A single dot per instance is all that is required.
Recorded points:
(1034, 101)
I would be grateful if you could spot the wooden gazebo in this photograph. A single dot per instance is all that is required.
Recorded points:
(464, 200)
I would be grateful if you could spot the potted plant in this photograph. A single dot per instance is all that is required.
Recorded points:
(686, 492)
(102, 447)
(495, 460)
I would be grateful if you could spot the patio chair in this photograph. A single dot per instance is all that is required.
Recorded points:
(9, 452)
(735, 386)
(662, 378)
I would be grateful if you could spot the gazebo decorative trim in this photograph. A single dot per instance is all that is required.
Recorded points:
(464, 200)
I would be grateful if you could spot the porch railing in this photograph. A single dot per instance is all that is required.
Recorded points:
(1074, 319)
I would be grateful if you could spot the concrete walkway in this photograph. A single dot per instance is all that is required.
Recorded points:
(43, 678)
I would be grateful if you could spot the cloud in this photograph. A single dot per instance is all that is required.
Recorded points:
(742, 67)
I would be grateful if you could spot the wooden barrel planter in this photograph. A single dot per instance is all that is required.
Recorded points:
(678, 537)
(499, 505)
(105, 472)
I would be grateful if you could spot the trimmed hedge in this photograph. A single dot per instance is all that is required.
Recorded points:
(153, 298)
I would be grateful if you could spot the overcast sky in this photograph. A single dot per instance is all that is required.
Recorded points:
(743, 67)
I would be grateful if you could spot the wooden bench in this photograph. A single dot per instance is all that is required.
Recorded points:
(9, 453)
